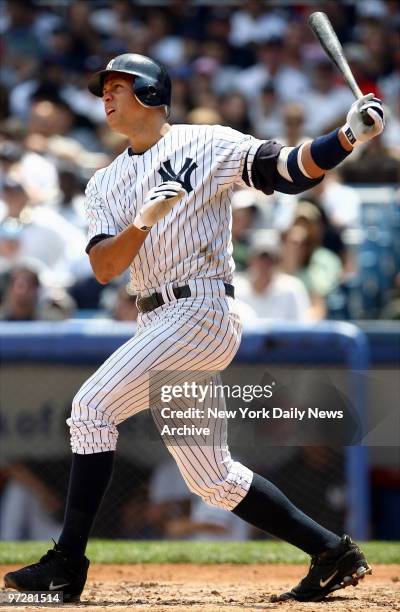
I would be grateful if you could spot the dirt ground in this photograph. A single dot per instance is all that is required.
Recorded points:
(221, 588)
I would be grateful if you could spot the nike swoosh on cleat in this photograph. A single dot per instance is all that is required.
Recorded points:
(323, 583)
(54, 587)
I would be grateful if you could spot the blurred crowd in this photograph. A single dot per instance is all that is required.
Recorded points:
(254, 66)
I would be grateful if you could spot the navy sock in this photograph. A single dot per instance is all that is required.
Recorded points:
(89, 479)
(267, 508)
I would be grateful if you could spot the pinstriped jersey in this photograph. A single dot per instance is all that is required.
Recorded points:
(194, 239)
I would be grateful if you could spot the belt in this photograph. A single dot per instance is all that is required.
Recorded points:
(146, 304)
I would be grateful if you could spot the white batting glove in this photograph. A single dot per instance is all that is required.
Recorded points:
(355, 129)
(158, 203)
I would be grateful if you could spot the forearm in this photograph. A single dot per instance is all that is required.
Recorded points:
(112, 256)
(311, 167)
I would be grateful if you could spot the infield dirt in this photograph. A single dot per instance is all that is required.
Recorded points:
(221, 588)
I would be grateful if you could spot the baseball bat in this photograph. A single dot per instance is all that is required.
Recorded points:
(323, 30)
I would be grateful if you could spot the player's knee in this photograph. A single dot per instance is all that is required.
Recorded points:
(90, 429)
(213, 494)
(227, 490)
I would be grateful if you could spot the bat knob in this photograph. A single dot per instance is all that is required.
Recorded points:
(366, 119)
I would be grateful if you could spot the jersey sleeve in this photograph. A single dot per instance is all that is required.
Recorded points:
(101, 221)
(234, 153)
(245, 160)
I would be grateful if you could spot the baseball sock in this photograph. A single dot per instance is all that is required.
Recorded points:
(267, 508)
(89, 479)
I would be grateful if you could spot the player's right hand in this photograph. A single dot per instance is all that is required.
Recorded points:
(158, 203)
(358, 131)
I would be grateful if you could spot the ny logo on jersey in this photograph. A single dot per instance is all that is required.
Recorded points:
(182, 177)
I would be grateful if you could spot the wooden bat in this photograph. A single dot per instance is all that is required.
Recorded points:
(323, 30)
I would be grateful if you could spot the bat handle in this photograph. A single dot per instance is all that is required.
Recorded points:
(366, 119)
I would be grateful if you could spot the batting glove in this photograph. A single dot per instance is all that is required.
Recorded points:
(158, 203)
(355, 129)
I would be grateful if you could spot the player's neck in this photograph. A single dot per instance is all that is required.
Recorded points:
(145, 138)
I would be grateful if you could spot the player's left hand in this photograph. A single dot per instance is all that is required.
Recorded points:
(355, 129)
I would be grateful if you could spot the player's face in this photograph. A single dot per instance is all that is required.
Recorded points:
(120, 104)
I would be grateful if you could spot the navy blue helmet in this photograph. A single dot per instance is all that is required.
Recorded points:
(151, 85)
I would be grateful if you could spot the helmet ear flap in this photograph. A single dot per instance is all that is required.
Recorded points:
(147, 93)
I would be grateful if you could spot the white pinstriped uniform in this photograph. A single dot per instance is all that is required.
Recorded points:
(192, 245)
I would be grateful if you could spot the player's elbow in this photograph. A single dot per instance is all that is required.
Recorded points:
(104, 275)
(102, 270)
(103, 279)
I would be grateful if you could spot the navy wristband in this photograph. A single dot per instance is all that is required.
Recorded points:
(327, 152)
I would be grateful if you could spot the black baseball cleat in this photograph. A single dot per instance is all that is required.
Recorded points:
(335, 569)
(54, 572)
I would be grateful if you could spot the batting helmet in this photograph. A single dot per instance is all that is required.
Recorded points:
(151, 86)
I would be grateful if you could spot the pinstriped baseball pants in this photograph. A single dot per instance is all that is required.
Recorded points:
(200, 334)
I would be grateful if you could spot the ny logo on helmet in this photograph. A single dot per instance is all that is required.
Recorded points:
(182, 177)
(110, 64)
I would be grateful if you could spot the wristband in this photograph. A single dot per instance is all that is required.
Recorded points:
(348, 132)
(327, 152)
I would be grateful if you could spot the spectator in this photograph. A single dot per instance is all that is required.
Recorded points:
(293, 125)
(125, 308)
(360, 62)
(19, 38)
(56, 118)
(120, 303)
(375, 164)
(27, 507)
(270, 293)
(245, 211)
(304, 257)
(373, 35)
(233, 110)
(36, 173)
(254, 23)
(328, 102)
(266, 113)
(165, 46)
(45, 236)
(202, 115)
(290, 84)
(25, 300)
(215, 63)
(87, 293)
(341, 203)
(71, 203)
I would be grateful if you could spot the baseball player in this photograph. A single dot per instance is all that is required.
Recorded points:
(162, 208)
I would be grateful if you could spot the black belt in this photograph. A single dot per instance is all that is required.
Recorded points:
(146, 304)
